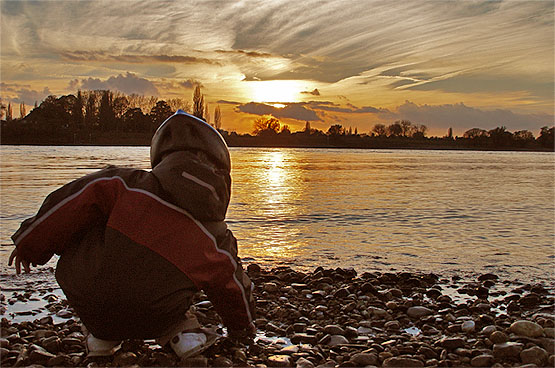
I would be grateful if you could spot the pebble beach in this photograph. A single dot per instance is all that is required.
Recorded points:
(322, 318)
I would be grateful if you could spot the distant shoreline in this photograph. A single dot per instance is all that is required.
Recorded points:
(258, 145)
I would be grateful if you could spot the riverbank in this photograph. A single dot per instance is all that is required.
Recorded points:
(324, 317)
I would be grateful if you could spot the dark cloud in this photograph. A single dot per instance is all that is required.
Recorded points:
(226, 102)
(24, 94)
(100, 56)
(484, 83)
(462, 117)
(127, 84)
(190, 83)
(253, 54)
(314, 92)
(290, 111)
(332, 107)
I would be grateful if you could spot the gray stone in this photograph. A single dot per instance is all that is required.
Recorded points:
(468, 326)
(271, 287)
(334, 330)
(484, 360)
(335, 340)
(534, 355)
(402, 362)
(488, 330)
(378, 312)
(507, 349)
(526, 328)
(303, 338)
(304, 363)
(419, 312)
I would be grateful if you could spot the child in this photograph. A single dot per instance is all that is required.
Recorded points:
(135, 246)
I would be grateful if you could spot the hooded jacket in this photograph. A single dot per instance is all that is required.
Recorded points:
(135, 246)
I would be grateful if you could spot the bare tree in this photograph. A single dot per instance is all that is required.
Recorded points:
(198, 103)
(22, 111)
(217, 118)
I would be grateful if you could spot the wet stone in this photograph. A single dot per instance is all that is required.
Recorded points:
(507, 349)
(419, 312)
(468, 326)
(222, 362)
(125, 358)
(279, 361)
(534, 355)
(483, 360)
(526, 328)
(304, 363)
(334, 330)
(498, 337)
(335, 340)
(452, 343)
(402, 362)
(364, 359)
(303, 338)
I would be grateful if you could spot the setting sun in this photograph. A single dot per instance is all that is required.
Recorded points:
(275, 91)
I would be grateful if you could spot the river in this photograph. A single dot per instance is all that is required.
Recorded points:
(450, 212)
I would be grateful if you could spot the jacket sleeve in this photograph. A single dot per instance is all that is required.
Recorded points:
(64, 214)
(241, 314)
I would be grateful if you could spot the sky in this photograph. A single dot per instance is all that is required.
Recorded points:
(459, 64)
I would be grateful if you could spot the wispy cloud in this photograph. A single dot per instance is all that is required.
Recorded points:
(128, 84)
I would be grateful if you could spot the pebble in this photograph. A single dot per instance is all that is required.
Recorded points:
(402, 362)
(125, 359)
(335, 340)
(452, 343)
(334, 330)
(526, 328)
(364, 359)
(498, 337)
(279, 361)
(507, 349)
(483, 360)
(468, 326)
(419, 311)
(534, 355)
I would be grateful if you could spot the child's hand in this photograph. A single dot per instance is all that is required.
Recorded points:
(18, 262)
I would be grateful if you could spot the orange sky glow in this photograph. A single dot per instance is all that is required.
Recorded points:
(444, 64)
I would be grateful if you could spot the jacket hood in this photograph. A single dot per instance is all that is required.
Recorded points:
(195, 185)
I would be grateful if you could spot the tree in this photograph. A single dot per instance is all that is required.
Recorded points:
(450, 133)
(206, 114)
(406, 128)
(395, 129)
(500, 136)
(475, 133)
(22, 111)
(198, 103)
(336, 130)
(90, 118)
(419, 131)
(217, 118)
(160, 112)
(9, 112)
(379, 129)
(547, 137)
(106, 113)
(266, 125)
(77, 110)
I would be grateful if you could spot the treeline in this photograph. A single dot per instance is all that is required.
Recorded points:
(111, 118)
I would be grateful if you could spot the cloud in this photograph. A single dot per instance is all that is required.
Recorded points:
(23, 94)
(190, 83)
(462, 117)
(314, 92)
(253, 54)
(128, 84)
(352, 109)
(101, 56)
(290, 111)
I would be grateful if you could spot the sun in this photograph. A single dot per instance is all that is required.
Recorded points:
(275, 91)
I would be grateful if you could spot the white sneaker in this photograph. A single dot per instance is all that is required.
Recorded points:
(186, 344)
(99, 347)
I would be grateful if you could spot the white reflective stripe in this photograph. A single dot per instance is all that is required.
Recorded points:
(161, 201)
(192, 178)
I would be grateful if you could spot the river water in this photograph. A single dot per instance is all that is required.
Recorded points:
(448, 212)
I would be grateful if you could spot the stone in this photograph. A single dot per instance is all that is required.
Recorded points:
(279, 361)
(378, 312)
(488, 330)
(52, 344)
(526, 328)
(222, 362)
(392, 325)
(271, 287)
(364, 359)
(402, 362)
(335, 340)
(40, 356)
(334, 330)
(468, 326)
(549, 332)
(303, 338)
(452, 343)
(534, 355)
(419, 312)
(4, 343)
(304, 363)
(289, 350)
(341, 293)
(125, 359)
(507, 349)
(498, 337)
(197, 361)
(483, 360)
(57, 361)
